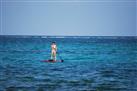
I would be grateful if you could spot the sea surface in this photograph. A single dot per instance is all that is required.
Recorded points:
(90, 63)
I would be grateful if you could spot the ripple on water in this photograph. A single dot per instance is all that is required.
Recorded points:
(14, 88)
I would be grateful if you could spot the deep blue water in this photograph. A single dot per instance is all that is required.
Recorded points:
(91, 64)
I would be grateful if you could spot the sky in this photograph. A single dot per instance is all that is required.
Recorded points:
(68, 17)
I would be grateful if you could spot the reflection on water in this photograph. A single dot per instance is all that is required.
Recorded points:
(90, 65)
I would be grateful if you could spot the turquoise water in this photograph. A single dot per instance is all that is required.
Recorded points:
(90, 64)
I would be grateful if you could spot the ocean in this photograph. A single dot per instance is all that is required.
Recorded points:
(91, 63)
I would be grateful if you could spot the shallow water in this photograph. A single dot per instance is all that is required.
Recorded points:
(90, 64)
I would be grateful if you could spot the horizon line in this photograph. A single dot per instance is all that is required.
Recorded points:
(76, 1)
(77, 35)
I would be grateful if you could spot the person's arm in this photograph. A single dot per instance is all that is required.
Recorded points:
(56, 48)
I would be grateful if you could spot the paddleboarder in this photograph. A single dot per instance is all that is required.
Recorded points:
(53, 51)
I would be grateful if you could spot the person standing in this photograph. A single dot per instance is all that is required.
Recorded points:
(53, 51)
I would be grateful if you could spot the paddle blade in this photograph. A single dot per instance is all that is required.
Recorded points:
(62, 60)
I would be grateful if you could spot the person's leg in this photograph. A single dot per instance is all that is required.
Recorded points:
(54, 55)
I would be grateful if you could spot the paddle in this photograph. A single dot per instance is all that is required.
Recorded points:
(60, 57)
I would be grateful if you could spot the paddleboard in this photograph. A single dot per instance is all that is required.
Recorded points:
(52, 61)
